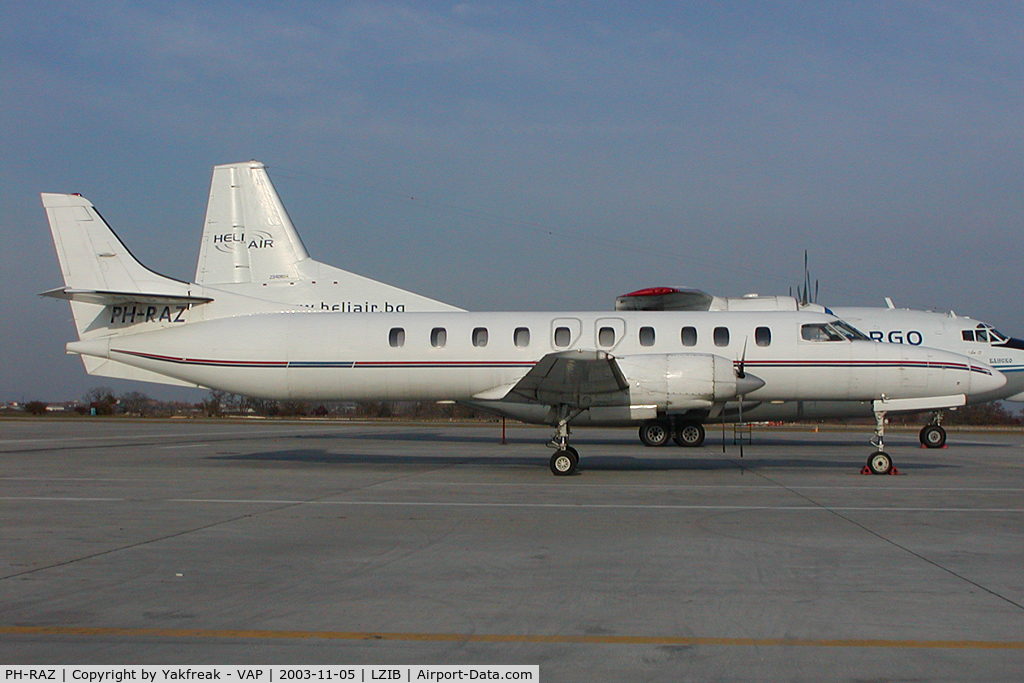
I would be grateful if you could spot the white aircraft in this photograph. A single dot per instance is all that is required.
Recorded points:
(950, 332)
(947, 331)
(667, 369)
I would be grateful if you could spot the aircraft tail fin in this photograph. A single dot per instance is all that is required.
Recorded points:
(251, 247)
(99, 271)
(247, 234)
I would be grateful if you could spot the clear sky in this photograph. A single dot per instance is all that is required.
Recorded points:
(527, 156)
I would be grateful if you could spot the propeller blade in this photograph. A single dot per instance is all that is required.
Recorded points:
(741, 373)
(741, 425)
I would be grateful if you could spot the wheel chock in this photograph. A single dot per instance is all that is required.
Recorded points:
(867, 470)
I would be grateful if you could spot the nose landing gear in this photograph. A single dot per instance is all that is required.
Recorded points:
(879, 462)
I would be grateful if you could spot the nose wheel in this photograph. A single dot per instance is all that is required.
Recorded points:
(564, 462)
(879, 462)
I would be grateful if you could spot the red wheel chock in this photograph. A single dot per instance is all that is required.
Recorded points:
(867, 470)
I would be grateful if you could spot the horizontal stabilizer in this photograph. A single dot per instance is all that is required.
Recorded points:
(92, 296)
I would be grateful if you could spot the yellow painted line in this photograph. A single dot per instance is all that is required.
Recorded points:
(510, 638)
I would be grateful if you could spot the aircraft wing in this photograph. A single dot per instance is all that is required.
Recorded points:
(571, 378)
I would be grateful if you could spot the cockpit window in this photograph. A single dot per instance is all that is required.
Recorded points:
(985, 334)
(849, 331)
(821, 332)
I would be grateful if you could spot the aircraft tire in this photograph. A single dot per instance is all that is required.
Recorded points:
(933, 436)
(655, 433)
(879, 462)
(564, 462)
(689, 434)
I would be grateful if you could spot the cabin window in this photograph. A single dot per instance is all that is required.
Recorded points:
(396, 338)
(689, 336)
(438, 337)
(721, 336)
(646, 336)
(562, 337)
(606, 336)
(522, 337)
(480, 336)
(763, 336)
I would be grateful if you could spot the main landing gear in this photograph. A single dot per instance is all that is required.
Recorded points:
(657, 433)
(933, 435)
(566, 458)
(688, 434)
(879, 462)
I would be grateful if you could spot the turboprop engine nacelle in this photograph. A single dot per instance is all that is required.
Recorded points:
(677, 382)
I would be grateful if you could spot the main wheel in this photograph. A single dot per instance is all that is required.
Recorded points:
(690, 434)
(654, 433)
(880, 463)
(933, 436)
(563, 463)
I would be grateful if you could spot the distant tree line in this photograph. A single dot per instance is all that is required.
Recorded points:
(974, 415)
(103, 401)
(221, 404)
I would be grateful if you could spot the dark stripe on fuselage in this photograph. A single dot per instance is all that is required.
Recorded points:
(313, 364)
(322, 364)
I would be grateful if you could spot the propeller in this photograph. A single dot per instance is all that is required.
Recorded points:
(741, 373)
(744, 383)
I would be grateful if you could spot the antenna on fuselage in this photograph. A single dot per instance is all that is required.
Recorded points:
(803, 293)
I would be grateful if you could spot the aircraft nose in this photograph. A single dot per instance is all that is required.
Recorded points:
(985, 378)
